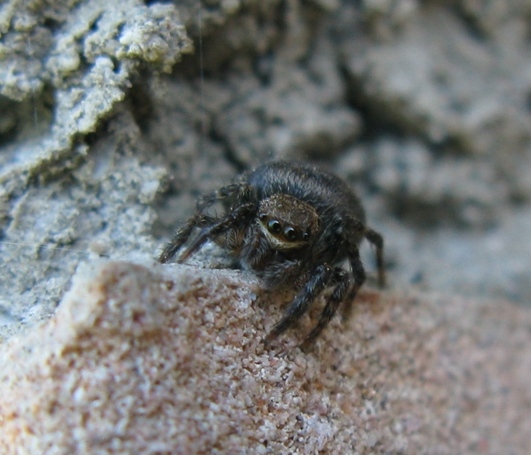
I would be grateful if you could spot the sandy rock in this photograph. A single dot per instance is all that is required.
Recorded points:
(168, 359)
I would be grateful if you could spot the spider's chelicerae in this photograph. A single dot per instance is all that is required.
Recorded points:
(291, 224)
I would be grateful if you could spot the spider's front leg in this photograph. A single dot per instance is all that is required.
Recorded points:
(358, 273)
(182, 235)
(321, 277)
(233, 220)
(237, 191)
(330, 309)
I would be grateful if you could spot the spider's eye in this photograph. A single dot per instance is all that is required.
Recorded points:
(262, 217)
(290, 233)
(305, 236)
(274, 226)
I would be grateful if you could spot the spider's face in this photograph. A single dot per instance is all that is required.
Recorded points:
(287, 222)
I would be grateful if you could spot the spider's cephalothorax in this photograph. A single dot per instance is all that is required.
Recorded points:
(290, 224)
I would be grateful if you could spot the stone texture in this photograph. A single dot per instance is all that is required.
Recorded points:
(168, 359)
(110, 128)
(83, 55)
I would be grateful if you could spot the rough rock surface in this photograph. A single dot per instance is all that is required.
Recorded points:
(110, 127)
(169, 359)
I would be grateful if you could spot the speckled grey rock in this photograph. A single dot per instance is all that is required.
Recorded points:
(64, 195)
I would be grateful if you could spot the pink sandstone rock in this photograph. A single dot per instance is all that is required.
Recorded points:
(168, 360)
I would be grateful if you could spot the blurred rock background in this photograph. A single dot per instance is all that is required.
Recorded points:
(114, 117)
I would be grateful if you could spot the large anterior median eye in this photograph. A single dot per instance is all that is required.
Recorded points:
(285, 233)
(290, 233)
(274, 226)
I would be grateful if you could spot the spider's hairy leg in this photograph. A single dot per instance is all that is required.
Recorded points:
(200, 219)
(182, 235)
(358, 273)
(277, 274)
(377, 240)
(234, 219)
(333, 302)
(319, 279)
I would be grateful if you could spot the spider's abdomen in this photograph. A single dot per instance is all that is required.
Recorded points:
(325, 192)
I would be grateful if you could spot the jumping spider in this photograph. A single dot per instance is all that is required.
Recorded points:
(291, 224)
